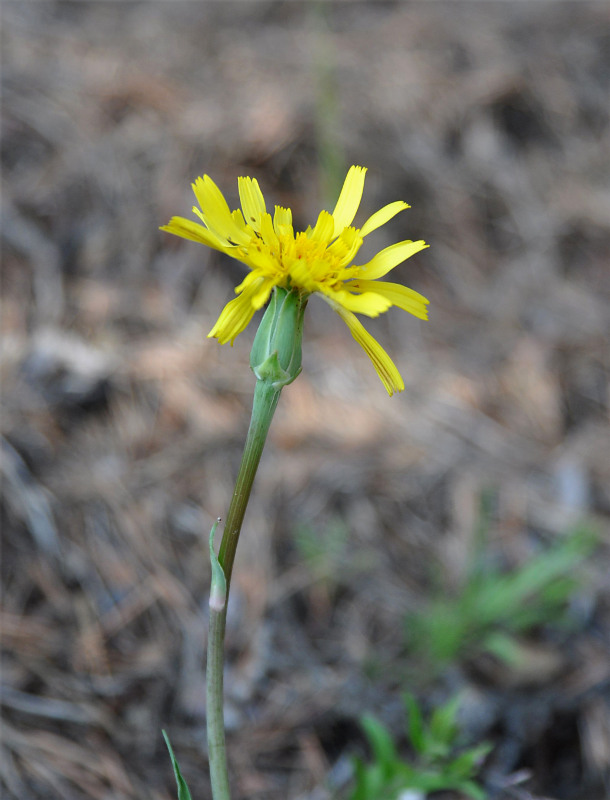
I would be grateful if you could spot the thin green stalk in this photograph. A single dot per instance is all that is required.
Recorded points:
(265, 402)
(217, 753)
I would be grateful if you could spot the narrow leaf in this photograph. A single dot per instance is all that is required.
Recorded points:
(380, 741)
(218, 590)
(443, 723)
(416, 723)
(183, 789)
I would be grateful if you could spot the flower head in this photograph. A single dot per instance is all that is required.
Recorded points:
(317, 261)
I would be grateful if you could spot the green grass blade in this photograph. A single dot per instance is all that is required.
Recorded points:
(183, 789)
(415, 723)
(380, 741)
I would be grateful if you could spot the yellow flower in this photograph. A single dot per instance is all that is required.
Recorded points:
(316, 261)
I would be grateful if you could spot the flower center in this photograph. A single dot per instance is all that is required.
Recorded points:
(308, 262)
(299, 261)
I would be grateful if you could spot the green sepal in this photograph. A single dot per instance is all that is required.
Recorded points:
(183, 790)
(276, 351)
(218, 589)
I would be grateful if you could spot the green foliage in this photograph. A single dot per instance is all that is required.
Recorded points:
(494, 607)
(183, 789)
(438, 763)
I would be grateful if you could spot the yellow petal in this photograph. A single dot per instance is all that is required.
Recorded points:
(389, 258)
(385, 367)
(325, 226)
(397, 295)
(257, 288)
(252, 201)
(382, 216)
(301, 275)
(267, 232)
(236, 315)
(349, 199)
(369, 303)
(216, 213)
(346, 246)
(282, 221)
(187, 229)
(239, 220)
(259, 260)
(260, 297)
(251, 278)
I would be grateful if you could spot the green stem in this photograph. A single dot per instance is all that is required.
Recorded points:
(265, 402)
(217, 753)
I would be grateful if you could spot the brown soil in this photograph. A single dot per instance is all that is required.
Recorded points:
(123, 425)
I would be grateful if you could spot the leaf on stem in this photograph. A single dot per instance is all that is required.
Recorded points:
(218, 590)
(183, 789)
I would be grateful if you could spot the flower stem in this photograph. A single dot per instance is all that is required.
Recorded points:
(217, 754)
(266, 397)
(265, 402)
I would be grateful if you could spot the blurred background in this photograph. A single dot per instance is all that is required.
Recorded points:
(452, 540)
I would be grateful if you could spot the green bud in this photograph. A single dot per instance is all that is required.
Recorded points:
(276, 351)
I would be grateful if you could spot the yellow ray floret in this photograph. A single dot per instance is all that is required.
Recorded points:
(318, 260)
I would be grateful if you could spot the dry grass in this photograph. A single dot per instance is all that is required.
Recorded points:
(123, 425)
